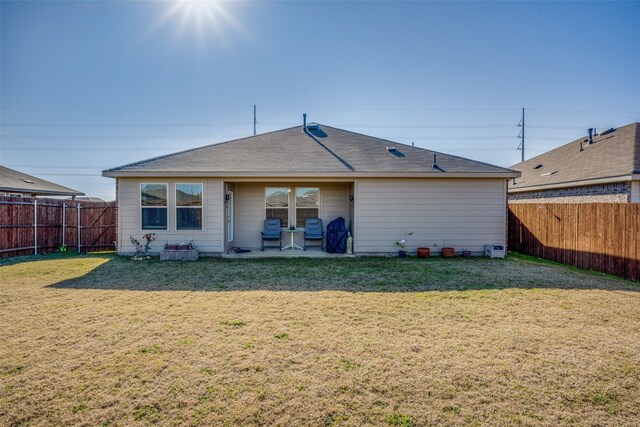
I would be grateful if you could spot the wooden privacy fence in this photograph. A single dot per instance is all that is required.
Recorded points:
(37, 226)
(598, 236)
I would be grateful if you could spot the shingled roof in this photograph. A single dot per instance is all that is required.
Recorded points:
(13, 181)
(612, 156)
(326, 151)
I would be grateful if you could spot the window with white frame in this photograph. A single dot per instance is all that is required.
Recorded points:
(153, 206)
(277, 204)
(189, 206)
(307, 204)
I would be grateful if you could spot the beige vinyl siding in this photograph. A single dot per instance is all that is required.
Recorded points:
(635, 192)
(249, 214)
(250, 209)
(334, 202)
(208, 240)
(463, 213)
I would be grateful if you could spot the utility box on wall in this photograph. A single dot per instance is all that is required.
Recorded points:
(494, 251)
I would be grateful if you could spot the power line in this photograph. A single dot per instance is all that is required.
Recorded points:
(155, 137)
(100, 125)
(311, 107)
(69, 174)
(117, 136)
(56, 167)
(291, 124)
(124, 107)
(153, 149)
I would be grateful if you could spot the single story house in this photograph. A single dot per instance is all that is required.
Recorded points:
(219, 195)
(17, 184)
(600, 167)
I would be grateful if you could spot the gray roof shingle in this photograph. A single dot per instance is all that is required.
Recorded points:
(325, 151)
(14, 181)
(612, 155)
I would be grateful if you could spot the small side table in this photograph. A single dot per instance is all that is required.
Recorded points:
(292, 245)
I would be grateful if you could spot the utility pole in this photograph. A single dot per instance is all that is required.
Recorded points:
(254, 120)
(521, 135)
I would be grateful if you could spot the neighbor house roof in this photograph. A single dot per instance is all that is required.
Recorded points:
(325, 151)
(90, 199)
(614, 155)
(17, 182)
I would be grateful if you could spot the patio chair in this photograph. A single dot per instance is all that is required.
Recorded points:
(313, 231)
(271, 231)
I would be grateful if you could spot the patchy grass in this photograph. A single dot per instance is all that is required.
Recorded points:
(103, 340)
(397, 420)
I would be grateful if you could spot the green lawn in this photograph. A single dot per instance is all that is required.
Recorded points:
(104, 340)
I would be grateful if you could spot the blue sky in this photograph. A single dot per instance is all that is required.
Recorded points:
(87, 85)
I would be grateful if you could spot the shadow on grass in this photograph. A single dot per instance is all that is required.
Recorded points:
(366, 274)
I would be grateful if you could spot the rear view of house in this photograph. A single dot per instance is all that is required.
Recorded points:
(219, 195)
(603, 167)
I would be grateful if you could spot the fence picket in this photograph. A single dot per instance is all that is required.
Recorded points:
(29, 226)
(599, 236)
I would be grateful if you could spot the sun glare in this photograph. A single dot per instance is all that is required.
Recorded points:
(200, 18)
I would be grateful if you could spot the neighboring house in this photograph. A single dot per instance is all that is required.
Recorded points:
(88, 199)
(220, 194)
(18, 184)
(599, 168)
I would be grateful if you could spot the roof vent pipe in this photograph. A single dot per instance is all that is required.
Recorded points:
(590, 130)
(304, 122)
(435, 163)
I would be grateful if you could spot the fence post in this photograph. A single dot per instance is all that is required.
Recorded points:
(35, 227)
(78, 227)
(64, 221)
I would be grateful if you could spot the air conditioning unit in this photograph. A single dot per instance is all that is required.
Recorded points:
(494, 251)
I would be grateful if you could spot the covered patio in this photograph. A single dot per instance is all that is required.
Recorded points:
(249, 203)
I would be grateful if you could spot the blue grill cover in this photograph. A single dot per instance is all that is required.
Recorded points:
(336, 237)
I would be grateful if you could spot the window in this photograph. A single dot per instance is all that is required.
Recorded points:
(277, 204)
(307, 204)
(188, 206)
(153, 200)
